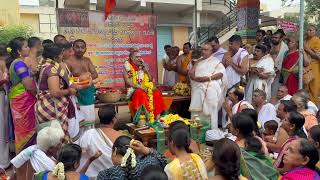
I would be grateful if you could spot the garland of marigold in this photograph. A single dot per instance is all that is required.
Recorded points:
(145, 83)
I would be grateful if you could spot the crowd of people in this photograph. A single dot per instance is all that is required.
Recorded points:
(262, 125)
(260, 80)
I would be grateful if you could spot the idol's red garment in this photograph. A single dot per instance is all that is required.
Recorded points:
(140, 97)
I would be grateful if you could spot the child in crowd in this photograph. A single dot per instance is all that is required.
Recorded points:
(186, 164)
(270, 128)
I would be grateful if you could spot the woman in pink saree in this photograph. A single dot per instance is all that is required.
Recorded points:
(293, 124)
(22, 95)
(300, 161)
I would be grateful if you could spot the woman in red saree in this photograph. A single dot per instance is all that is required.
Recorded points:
(290, 66)
(138, 79)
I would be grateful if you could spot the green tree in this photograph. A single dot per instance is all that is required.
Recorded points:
(313, 10)
(9, 32)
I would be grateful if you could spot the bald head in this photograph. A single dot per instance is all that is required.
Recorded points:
(282, 92)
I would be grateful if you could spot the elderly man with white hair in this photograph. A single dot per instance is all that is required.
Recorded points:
(39, 157)
(312, 108)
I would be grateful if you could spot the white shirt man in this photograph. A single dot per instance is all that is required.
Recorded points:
(266, 111)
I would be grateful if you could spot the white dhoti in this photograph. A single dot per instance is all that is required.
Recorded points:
(207, 97)
(263, 84)
(92, 141)
(4, 132)
(88, 113)
(74, 123)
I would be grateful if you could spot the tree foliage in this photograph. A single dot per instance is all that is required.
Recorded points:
(312, 7)
(313, 10)
(9, 32)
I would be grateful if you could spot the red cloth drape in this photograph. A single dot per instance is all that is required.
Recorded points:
(135, 67)
(140, 97)
(292, 81)
(109, 5)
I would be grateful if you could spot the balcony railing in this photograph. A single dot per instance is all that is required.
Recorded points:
(223, 25)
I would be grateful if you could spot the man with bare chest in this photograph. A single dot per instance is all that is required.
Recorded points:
(82, 67)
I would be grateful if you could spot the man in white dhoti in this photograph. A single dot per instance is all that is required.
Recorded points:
(261, 73)
(266, 111)
(278, 52)
(208, 87)
(218, 51)
(100, 139)
(238, 64)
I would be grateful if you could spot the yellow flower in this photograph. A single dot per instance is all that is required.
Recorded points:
(9, 49)
(241, 88)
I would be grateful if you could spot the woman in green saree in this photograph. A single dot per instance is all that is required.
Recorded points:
(253, 163)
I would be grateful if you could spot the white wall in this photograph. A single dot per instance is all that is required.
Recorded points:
(29, 2)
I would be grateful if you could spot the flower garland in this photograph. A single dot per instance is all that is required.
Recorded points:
(149, 86)
(142, 79)
(130, 152)
(58, 171)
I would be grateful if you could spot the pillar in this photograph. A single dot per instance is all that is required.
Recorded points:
(61, 3)
(92, 5)
(248, 12)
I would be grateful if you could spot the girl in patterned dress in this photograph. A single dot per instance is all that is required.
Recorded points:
(186, 165)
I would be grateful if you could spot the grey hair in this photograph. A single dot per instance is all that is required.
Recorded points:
(304, 93)
(301, 100)
(50, 136)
